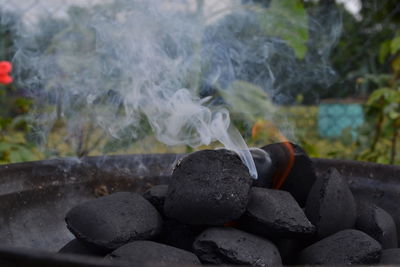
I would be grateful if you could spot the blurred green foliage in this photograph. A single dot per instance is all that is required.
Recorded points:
(14, 128)
(288, 20)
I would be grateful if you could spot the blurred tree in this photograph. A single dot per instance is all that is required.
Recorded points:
(357, 52)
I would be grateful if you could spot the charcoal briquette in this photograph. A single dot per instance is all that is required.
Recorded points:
(330, 205)
(377, 223)
(225, 245)
(301, 176)
(76, 246)
(114, 220)
(275, 213)
(208, 187)
(343, 248)
(156, 196)
(149, 253)
(265, 168)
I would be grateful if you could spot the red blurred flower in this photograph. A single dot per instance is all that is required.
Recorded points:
(5, 69)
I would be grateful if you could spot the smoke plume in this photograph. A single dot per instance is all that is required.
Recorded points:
(168, 63)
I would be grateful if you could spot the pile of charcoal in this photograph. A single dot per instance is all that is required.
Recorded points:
(213, 212)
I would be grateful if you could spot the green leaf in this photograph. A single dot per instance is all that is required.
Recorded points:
(384, 50)
(394, 115)
(377, 96)
(288, 20)
(395, 45)
(396, 64)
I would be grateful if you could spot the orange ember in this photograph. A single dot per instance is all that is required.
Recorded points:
(280, 179)
(262, 126)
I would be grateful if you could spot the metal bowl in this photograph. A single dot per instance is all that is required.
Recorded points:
(35, 196)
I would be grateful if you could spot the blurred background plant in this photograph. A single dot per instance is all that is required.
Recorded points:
(364, 93)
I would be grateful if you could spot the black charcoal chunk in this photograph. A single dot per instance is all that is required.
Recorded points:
(390, 256)
(330, 205)
(148, 253)
(114, 220)
(265, 167)
(81, 248)
(275, 213)
(227, 245)
(301, 176)
(208, 187)
(156, 196)
(377, 223)
(344, 247)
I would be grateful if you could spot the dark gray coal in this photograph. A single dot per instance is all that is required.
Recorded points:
(330, 205)
(377, 223)
(390, 256)
(265, 168)
(114, 220)
(208, 187)
(343, 248)
(301, 177)
(225, 245)
(262, 226)
(275, 213)
(156, 196)
(78, 247)
(148, 253)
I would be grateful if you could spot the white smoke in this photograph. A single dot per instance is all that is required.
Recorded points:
(151, 56)
(125, 61)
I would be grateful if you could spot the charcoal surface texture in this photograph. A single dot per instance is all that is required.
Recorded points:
(275, 213)
(156, 196)
(114, 220)
(78, 247)
(226, 245)
(302, 175)
(344, 247)
(148, 253)
(330, 205)
(377, 223)
(208, 187)
(390, 256)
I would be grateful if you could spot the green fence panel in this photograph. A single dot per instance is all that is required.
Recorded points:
(334, 118)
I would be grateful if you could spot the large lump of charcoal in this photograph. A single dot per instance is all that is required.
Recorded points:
(301, 175)
(343, 248)
(156, 196)
(148, 253)
(275, 213)
(225, 245)
(208, 187)
(377, 223)
(76, 246)
(114, 220)
(330, 205)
